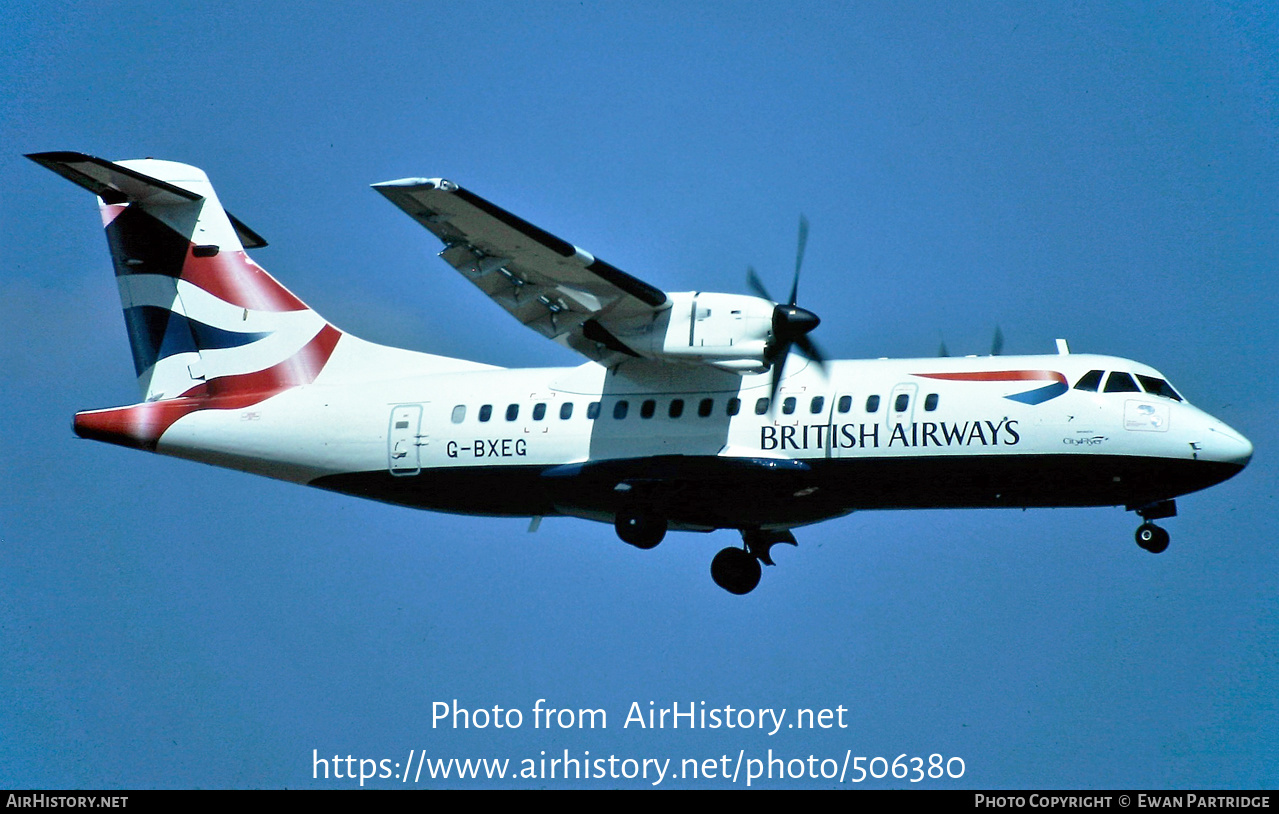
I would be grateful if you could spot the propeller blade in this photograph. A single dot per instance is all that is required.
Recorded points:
(752, 280)
(810, 349)
(799, 257)
(942, 352)
(997, 344)
(779, 363)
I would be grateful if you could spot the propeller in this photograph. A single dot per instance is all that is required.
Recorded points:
(791, 324)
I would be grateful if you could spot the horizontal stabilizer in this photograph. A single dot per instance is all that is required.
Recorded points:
(116, 184)
(111, 182)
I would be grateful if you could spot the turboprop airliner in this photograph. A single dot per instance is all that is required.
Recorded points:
(691, 411)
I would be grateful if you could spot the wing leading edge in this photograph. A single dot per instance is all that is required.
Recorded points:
(557, 289)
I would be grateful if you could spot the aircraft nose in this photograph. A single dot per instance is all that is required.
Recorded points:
(1228, 446)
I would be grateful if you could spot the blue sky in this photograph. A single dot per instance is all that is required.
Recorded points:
(1101, 173)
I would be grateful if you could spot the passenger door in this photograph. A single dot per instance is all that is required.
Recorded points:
(404, 440)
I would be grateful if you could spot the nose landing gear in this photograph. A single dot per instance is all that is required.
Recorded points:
(1149, 536)
(1152, 538)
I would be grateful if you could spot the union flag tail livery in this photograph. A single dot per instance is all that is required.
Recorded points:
(208, 327)
(690, 414)
(203, 319)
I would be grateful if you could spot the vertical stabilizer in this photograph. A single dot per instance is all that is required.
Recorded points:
(204, 320)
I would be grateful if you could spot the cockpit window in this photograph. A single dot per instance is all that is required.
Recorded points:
(1158, 387)
(1118, 382)
(1090, 381)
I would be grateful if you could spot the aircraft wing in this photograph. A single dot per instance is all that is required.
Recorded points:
(550, 285)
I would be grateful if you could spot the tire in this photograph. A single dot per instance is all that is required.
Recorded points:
(1152, 538)
(641, 529)
(736, 571)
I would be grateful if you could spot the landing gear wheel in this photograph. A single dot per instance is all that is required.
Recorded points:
(735, 570)
(1152, 538)
(640, 528)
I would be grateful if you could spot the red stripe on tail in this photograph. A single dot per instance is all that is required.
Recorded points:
(141, 425)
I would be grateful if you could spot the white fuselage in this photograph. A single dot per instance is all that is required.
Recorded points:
(903, 432)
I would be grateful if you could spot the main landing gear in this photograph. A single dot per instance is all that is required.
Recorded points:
(640, 527)
(1149, 536)
(737, 570)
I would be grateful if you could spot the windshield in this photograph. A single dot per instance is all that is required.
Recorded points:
(1158, 387)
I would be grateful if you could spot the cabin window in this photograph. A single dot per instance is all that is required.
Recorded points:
(1090, 381)
(901, 402)
(677, 408)
(647, 408)
(459, 414)
(512, 412)
(566, 411)
(486, 412)
(930, 402)
(1158, 387)
(761, 406)
(733, 407)
(539, 411)
(872, 404)
(593, 411)
(815, 406)
(845, 404)
(705, 406)
(1118, 382)
(788, 405)
(620, 408)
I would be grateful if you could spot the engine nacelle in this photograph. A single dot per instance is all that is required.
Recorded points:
(729, 331)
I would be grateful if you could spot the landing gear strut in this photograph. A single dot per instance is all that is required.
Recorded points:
(737, 570)
(1149, 536)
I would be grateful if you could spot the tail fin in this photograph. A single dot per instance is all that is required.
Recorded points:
(203, 319)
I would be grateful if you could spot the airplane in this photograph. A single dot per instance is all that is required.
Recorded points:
(692, 412)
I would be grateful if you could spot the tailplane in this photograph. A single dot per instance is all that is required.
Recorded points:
(204, 320)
